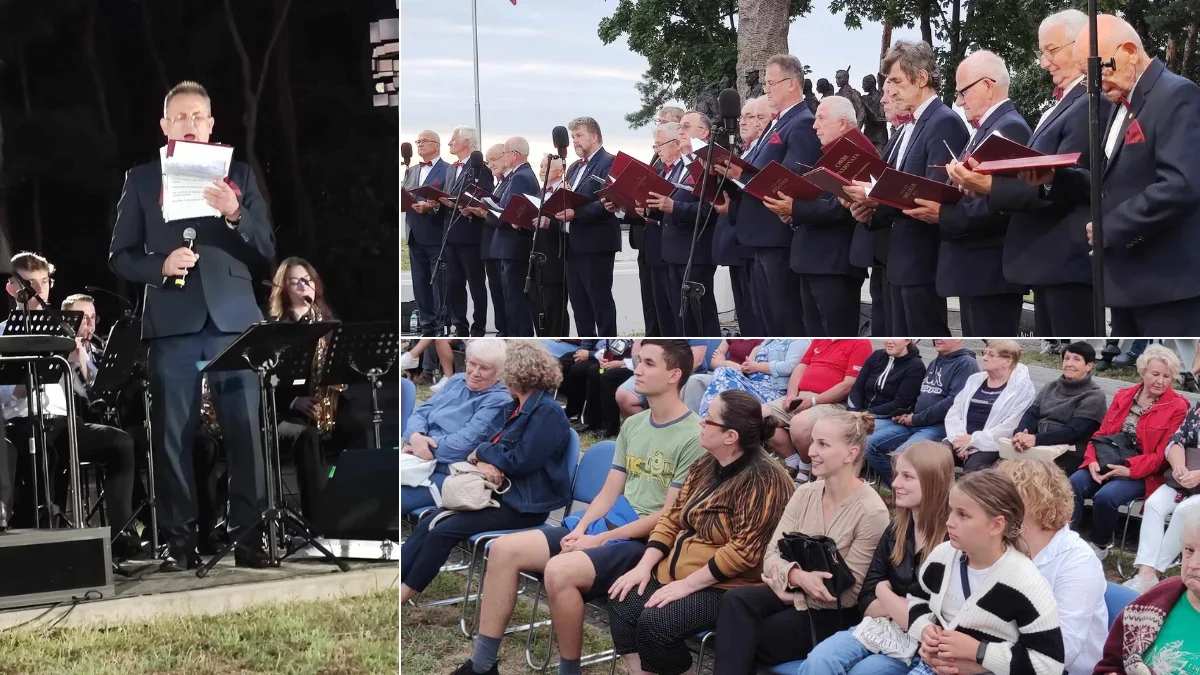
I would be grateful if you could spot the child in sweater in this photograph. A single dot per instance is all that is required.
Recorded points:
(980, 605)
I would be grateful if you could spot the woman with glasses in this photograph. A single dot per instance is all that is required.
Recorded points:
(990, 406)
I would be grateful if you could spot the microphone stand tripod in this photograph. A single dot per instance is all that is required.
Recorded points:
(441, 320)
(537, 259)
(692, 291)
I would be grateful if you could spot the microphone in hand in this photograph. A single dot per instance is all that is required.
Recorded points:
(181, 260)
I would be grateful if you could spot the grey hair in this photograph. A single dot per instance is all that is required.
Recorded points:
(840, 107)
(672, 112)
(470, 135)
(491, 351)
(670, 129)
(187, 87)
(1191, 521)
(518, 145)
(587, 123)
(984, 63)
(1072, 21)
(704, 121)
(913, 57)
(788, 65)
(1159, 353)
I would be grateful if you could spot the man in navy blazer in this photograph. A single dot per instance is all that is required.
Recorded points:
(593, 235)
(789, 140)
(971, 258)
(1046, 246)
(464, 234)
(425, 223)
(491, 266)
(233, 251)
(916, 307)
(512, 246)
(548, 298)
(823, 230)
(1149, 196)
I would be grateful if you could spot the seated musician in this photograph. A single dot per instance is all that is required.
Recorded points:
(108, 446)
(298, 296)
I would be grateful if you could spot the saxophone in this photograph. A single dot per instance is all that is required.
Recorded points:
(326, 396)
(208, 414)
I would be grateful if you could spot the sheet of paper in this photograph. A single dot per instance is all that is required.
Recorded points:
(183, 197)
(189, 169)
(201, 160)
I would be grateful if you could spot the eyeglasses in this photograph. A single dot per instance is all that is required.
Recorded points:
(195, 118)
(1048, 52)
(753, 117)
(713, 423)
(302, 283)
(422, 141)
(659, 145)
(963, 92)
(770, 84)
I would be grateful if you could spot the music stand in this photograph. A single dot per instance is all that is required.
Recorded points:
(114, 369)
(362, 352)
(275, 351)
(46, 365)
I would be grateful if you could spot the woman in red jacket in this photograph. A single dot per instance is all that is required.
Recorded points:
(1149, 413)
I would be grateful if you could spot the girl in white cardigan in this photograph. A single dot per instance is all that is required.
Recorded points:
(989, 406)
(979, 604)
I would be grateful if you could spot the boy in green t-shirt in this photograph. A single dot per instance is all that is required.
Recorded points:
(655, 449)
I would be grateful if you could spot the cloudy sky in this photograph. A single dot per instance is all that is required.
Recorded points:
(542, 64)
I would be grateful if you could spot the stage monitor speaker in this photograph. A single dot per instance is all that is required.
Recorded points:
(44, 567)
(362, 498)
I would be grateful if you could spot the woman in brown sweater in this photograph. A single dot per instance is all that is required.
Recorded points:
(711, 540)
(783, 620)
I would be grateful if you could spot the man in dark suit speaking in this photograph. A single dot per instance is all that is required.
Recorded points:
(1149, 197)
(194, 323)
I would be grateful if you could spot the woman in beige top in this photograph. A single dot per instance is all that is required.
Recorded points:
(782, 620)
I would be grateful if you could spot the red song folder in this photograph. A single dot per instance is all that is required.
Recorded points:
(430, 193)
(561, 200)
(900, 189)
(622, 202)
(856, 137)
(621, 161)
(708, 182)
(1011, 167)
(637, 181)
(774, 178)
(520, 211)
(849, 160)
(828, 181)
(406, 200)
(996, 147)
(720, 155)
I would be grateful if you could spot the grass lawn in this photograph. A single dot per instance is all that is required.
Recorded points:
(347, 636)
(403, 256)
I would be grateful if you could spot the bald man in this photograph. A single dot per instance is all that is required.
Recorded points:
(491, 265)
(1149, 196)
(971, 256)
(512, 246)
(424, 224)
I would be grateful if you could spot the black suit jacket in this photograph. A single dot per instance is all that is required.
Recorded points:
(1046, 242)
(679, 225)
(821, 242)
(509, 243)
(594, 229)
(222, 283)
(971, 259)
(1150, 199)
(425, 229)
(467, 230)
(872, 239)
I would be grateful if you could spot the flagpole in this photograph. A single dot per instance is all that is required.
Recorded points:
(475, 53)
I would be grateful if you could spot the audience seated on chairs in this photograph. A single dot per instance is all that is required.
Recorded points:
(945, 376)
(528, 456)
(890, 380)
(1143, 418)
(631, 403)
(982, 583)
(655, 450)
(818, 386)
(728, 354)
(990, 406)
(592, 389)
(1159, 632)
(1180, 495)
(1064, 415)
(734, 496)
(448, 426)
(785, 619)
(1065, 560)
(924, 475)
(764, 376)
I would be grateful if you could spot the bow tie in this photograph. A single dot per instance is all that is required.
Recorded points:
(903, 119)
(774, 116)
(974, 123)
(1125, 102)
(1058, 93)
(425, 164)
(457, 164)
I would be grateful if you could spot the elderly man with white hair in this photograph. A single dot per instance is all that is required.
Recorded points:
(424, 225)
(971, 256)
(1148, 190)
(822, 229)
(467, 411)
(464, 234)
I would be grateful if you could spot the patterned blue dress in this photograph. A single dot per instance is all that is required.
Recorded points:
(761, 385)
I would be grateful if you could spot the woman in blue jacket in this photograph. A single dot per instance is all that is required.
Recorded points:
(529, 455)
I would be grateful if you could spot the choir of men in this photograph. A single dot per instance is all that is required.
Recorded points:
(796, 267)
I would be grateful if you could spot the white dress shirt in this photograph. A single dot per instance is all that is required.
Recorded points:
(583, 170)
(424, 173)
(54, 402)
(984, 117)
(912, 125)
(1076, 578)
(1066, 90)
(1114, 131)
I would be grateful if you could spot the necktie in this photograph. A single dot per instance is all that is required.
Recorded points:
(1058, 93)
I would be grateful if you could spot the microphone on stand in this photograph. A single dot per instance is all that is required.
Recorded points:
(124, 301)
(730, 104)
(562, 140)
(406, 153)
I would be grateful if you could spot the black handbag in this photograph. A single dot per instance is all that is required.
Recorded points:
(1115, 449)
(1191, 459)
(818, 554)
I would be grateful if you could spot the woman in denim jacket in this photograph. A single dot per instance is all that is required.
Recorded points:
(528, 456)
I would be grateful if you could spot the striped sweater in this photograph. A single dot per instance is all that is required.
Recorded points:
(1014, 610)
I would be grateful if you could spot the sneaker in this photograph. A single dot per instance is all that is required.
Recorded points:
(408, 361)
(441, 383)
(1140, 584)
(467, 669)
(1101, 553)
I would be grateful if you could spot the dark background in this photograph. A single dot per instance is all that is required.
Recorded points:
(81, 91)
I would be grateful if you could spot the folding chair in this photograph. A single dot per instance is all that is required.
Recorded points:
(1116, 597)
(1131, 510)
(408, 400)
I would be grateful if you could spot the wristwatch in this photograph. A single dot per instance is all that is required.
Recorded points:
(979, 653)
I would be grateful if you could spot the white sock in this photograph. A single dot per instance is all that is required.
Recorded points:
(793, 461)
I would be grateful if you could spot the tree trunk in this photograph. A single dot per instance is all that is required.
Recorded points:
(762, 33)
(252, 92)
(1172, 48)
(35, 182)
(884, 46)
(927, 21)
(287, 122)
(160, 68)
(1189, 52)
